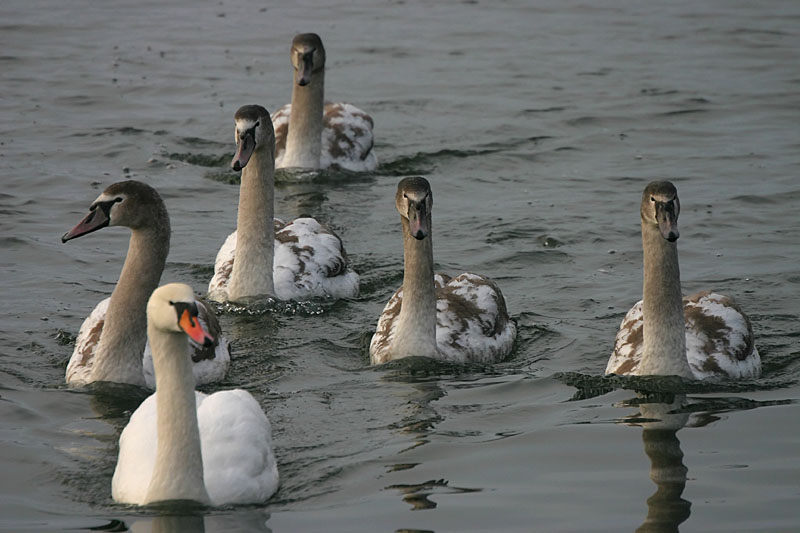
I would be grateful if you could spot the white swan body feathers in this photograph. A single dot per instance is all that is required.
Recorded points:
(704, 335)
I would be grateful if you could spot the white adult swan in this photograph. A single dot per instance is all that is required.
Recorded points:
(265, 256)
(312, 133)
(700, 336)
(185, 445)
(463, 319)
(112, 340)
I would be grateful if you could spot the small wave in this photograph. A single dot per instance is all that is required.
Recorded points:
(594, 385)
(267, 305)
(201, 160)
(228, 177)
(655, 91)
(681, 112)
(554, 109)
(289, 176)
(418, 368)
(425, 162)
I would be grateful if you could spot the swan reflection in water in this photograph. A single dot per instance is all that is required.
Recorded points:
(419, 420)
(661, 419)
(179, 517)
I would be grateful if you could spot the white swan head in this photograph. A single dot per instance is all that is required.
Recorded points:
(661, 207)
(172, 308)
(254, 132)
(414, 202)
(308, 57)
(132, 204)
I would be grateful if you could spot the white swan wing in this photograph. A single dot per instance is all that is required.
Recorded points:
(236, 441)
(472, 323)
(280, 123)
(209, 364)
(719, 338)
(137, 455)
(311, 262)
(380, 345)
(347, 138)
(238, 462)
(628, 344)
(384, 333)
(79, 368)
(223, 266)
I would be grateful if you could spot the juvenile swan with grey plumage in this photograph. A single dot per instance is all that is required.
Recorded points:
(112, 342)
(705, 335)
(185, 445)
(312, 133)
(265, 256)
(461, 319)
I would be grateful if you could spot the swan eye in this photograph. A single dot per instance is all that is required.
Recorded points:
(118, 199)
(257, 124)
(652, 198)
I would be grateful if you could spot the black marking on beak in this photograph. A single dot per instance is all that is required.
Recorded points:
(180, 307)
(247, 144)
(306, 68)
(418, 218)
(95, 220)
(667, 220)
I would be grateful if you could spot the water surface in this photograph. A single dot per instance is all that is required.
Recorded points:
(538, 127)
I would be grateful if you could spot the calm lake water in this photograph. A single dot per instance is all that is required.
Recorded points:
(538, 125)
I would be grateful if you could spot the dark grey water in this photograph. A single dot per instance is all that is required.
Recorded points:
(538, 126)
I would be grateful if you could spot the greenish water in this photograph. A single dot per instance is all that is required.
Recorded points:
(538, 126)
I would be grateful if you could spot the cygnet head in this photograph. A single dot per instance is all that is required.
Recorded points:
(661, 207)
(308, 57)
(132, 204)
(414, 202)
(253, 132)
(172, 308)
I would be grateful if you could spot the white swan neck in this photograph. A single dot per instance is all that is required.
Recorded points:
(255, 230)
(178, 470)
(416, 327)
(664, 350)
(118, 356)
(304, 139)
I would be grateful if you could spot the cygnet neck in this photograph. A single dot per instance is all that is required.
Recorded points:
(416, 327)
(255, 231)
(304, 139)
(118, 356)
(664, 350)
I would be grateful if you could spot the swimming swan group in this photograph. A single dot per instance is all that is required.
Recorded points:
(216, 449)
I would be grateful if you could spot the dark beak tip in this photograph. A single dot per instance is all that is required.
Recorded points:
(672, 237)
(64, 239)
(208, 343)
(302, 82)
(236, 166)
